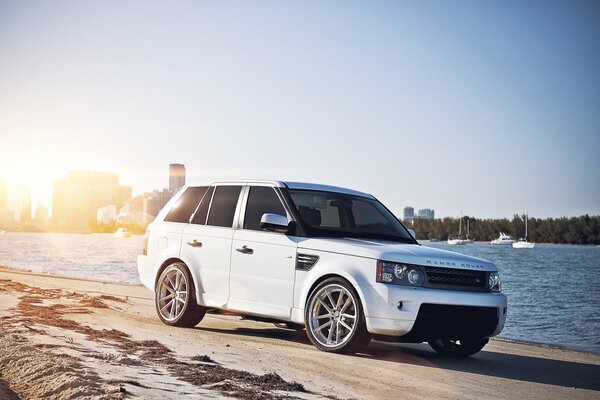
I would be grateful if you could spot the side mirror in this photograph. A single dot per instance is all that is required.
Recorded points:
(275, 223)
(412, 232)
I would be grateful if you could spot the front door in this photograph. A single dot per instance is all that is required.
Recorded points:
(262, 263)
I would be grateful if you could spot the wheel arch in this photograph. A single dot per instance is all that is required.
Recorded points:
(164, 265)
(347, 277)
(195, 282)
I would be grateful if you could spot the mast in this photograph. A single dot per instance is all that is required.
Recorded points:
(460, 226)
(468, 228)
(526, 218)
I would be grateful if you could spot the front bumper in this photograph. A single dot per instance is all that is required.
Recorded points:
(383, 317)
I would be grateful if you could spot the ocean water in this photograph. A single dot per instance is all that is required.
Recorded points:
(95, 256)
(553, 290)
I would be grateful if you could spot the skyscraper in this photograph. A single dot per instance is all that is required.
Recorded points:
(19, 201)
(76, 200)
(176, 177)
(426, 213)
(409, 213)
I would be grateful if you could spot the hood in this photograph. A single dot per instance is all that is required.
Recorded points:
(398, 252)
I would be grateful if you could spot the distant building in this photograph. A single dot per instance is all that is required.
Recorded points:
(7, 218)
(176, 177)
(106, 214)
(3, 194)
(19, 200)
(409, 213)
(134, 211)
(41, 216)
(426, 213)
(155, 201)
(76, 199)
(41, 212)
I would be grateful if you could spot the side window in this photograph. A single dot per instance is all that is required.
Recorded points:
(223, 206)
(185, 206)
(202, 212)
(261, 200)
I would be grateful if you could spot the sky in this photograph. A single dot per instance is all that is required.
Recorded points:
(468, 105)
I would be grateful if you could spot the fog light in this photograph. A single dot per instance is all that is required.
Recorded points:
(400, 305)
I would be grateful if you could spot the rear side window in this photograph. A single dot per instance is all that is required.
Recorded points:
(222, 209)
(185, 206)
(202, 212)
(261, 200)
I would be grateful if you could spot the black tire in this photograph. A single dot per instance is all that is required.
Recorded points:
(190, 313)
(357, 338)
(458, 348)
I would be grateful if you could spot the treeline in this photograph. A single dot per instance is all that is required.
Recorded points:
(112, 226)
(575, 230)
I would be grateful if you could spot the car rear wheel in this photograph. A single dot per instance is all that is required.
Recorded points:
(458, 348)
(334, 318)
(175, 298)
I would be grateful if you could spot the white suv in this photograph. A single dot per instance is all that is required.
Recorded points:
(333, 260)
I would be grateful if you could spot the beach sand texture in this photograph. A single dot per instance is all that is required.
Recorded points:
(63, 338)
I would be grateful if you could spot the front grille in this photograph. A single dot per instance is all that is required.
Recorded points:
(456, 279)
(442, 321)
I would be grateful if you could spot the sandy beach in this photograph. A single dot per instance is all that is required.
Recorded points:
(63, 338)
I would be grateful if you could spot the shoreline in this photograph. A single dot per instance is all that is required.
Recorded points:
(419, 240)
(63, 338)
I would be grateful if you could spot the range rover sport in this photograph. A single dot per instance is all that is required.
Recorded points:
(331, 260)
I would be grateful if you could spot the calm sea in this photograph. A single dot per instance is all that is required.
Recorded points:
(553, 290)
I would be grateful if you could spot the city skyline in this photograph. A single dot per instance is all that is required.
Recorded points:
(478, 107)
(175, 176)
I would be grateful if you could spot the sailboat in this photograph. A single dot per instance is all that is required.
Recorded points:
(458, 240)
(524, 242)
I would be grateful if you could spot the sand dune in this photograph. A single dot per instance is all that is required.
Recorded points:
(64, 338)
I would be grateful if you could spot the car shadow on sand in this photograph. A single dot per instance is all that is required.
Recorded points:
(502, 365)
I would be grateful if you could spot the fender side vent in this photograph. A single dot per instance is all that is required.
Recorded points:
(304, 262)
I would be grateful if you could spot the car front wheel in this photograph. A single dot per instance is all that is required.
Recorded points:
(334, 318)
(458, 348)
(175, 299)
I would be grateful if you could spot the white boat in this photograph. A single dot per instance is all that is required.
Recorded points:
(524, 242)
(458, 240)
(122, 232)
(504, 239)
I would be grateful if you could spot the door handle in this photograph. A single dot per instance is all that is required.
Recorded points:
(195, 243)
(245, 250)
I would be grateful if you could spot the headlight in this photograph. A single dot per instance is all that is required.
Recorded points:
(494, 282)
(400, 274)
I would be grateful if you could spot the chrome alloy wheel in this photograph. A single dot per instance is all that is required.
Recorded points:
(333, 315)
(172, 293)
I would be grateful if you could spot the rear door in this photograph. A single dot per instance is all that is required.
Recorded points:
(206, 245)
(262, 263)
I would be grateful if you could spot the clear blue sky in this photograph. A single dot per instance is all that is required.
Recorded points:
(469, 105)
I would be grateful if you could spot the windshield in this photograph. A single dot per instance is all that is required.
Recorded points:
(344, 215)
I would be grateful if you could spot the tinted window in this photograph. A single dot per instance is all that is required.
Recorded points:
(185, 206)
(200, 216)
(223, 206)
(261, 200)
